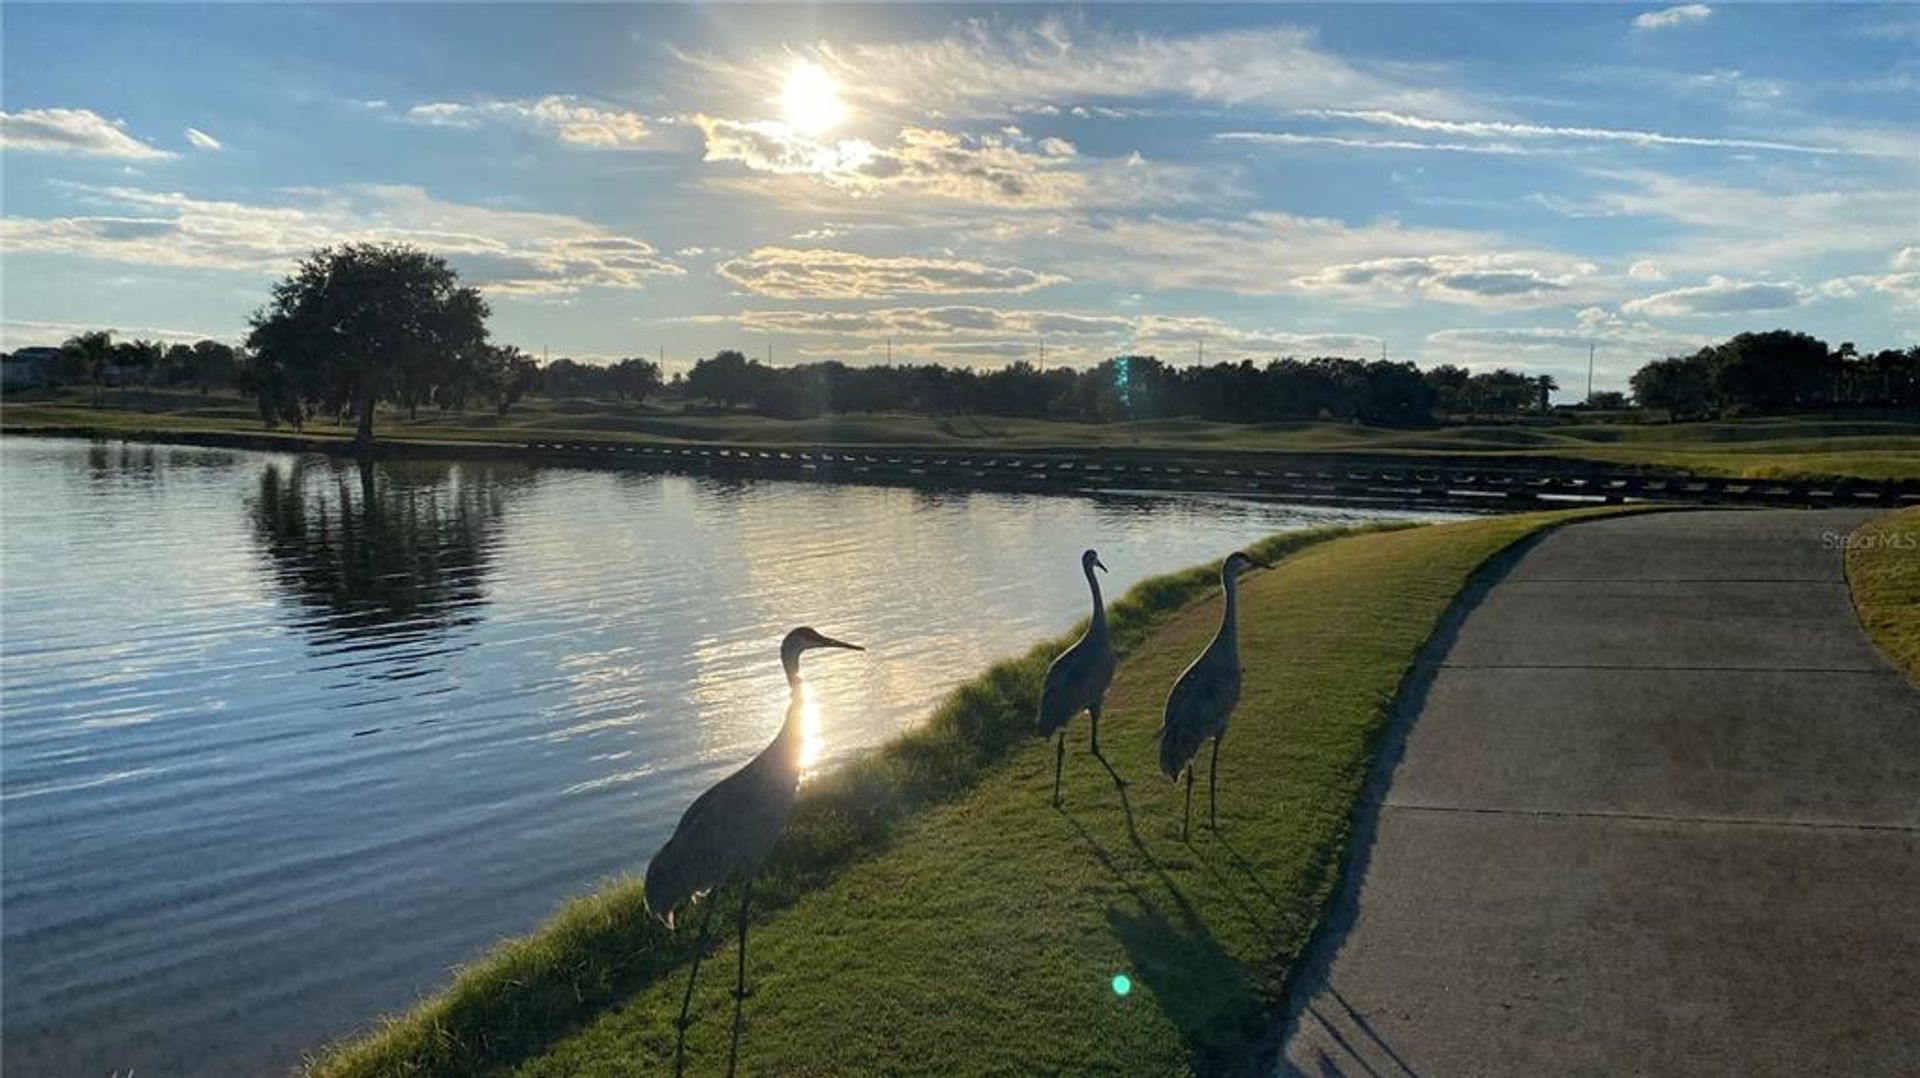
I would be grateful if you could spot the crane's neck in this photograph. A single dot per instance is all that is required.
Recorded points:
(1099, 608)
(1229, 613)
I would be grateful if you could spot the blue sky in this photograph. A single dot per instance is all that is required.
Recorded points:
(1484, 185)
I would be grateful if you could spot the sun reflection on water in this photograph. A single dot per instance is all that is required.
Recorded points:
(813, 744)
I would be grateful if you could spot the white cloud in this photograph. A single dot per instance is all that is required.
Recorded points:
(988, 69)
(1903, 288)
(201, 140)
(817, 273)
(506, 252)
(1720, 295)
(74, 131)
(1646, 270)
(1268, 253)
(991, 168)
(564, 117)
(1505, 129)
(1727, 229)
(1673, 16)
(995, 169)
(1454, 278)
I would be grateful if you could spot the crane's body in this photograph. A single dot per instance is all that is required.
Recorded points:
(1202, 701)
(729, 830)
(1078, 678)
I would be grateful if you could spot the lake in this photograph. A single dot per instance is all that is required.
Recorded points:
(278, 751)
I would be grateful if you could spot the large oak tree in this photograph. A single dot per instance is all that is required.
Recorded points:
(363, 323)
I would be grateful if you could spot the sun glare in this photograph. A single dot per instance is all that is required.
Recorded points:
(810, 99)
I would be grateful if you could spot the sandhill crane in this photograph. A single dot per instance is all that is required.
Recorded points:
(1077, 681)
(1203, 699)
(729, 830)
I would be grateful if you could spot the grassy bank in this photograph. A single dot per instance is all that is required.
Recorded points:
(1883, 571)
(1783, 448)
(932, 914)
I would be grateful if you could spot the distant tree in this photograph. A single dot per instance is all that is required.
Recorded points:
(176, 365)
(139, 358)
(727, 378)
(636, 378)
(1607, 400)
(1449, 386)
(513, 375)
(92, 352)
(359, 324)
(1680, 386)
(1773, 372)
(214, 364)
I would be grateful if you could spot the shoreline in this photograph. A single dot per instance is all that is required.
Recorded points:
(1450, 480)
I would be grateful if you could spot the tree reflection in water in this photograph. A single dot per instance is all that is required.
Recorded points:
(376, 554)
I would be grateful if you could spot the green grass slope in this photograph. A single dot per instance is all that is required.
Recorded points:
(1883, 571)
(932, 914)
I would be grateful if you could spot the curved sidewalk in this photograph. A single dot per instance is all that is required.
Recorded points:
(1655, 811)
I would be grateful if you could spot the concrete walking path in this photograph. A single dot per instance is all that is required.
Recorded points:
(1655, 811)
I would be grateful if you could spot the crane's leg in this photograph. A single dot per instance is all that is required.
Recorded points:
(1059, 754)
(1094, 713)
(740, 976)
(1213, 781)
(680, 1024)
(1188, 814)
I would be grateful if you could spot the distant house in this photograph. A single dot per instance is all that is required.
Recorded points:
(25, 368)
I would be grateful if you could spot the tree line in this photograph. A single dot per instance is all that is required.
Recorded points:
(361, 325)
(1777, 373)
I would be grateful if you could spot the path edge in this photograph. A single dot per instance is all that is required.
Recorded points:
(1329, 933)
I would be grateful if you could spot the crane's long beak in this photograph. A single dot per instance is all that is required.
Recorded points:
(830, 642)
(1098, 564)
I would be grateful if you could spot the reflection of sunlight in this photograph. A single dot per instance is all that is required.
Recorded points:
(810, 99)
(812, 742)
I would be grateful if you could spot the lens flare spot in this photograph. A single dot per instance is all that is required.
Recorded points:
(1122, 984)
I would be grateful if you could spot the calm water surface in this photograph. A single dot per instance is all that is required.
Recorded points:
(277, 754)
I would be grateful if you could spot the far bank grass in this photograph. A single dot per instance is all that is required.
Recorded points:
(983, 936)
(1883, 571)
(1794, 447)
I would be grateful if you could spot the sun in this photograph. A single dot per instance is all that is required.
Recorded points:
(810, 99)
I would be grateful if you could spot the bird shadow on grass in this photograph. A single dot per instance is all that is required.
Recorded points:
(1173, 954)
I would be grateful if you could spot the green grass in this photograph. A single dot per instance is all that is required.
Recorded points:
(1774, 448)
(1883, 571)
(930, 913)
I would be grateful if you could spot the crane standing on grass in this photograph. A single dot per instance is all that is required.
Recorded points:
(730, 829)
(1204, 698)
(1077, 681)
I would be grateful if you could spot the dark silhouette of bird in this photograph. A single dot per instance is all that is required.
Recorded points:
(1204, 697)
(1078, 679)
(729, 830)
